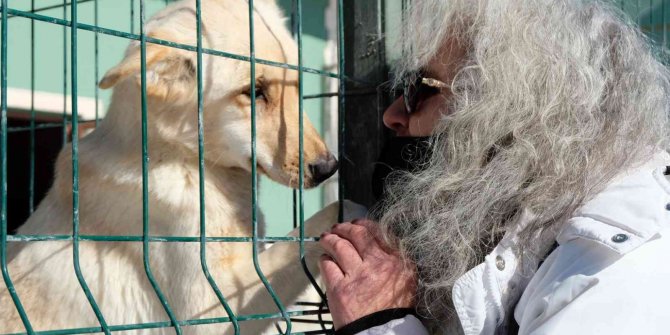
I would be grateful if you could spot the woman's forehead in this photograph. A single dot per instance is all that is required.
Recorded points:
(446, 62)
(433, 69)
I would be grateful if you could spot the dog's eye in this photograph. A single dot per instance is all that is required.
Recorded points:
(258, 94)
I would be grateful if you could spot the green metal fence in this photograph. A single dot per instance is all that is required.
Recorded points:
(651, 15)
(147, 238)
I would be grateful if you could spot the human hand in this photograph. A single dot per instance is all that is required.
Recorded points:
(362, 275)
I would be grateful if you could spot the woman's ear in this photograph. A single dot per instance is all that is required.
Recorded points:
(170, 72)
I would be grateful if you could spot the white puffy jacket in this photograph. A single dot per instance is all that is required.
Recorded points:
(610, 273)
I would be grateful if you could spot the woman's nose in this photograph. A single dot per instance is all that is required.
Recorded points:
(396, 118)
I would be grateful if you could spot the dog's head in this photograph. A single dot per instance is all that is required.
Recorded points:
(172, 89)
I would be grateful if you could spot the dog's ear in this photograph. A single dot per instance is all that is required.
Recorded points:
(171, 72)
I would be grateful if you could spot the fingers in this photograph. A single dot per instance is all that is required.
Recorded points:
(359, 236)
(375, 231)
(342, 251)
(330, 271)
(372, 226)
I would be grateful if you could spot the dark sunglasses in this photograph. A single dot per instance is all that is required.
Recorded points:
(418, 88)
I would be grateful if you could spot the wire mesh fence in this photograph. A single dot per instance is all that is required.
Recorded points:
(70, 127)
(650, 15)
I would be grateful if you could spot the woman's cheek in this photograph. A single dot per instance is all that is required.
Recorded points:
(423, 121)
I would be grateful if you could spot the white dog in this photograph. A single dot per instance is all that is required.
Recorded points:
(111, 183)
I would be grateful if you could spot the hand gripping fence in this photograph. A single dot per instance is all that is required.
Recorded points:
(146, 238)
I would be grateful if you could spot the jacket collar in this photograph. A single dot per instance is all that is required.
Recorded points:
(631, 210)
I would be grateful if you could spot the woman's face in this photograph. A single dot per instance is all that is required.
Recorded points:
(423, 119)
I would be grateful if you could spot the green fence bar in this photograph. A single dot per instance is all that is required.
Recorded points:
(301, 155)
(31, 172)
(49, 125)
(46, 8)
(165, 324)
(663, 27)
(201, 173)
(294, 192)
(132, 16)
(64, 121)
(341, 105)
(96, 60)
(75, 175)
(254, 173)
(651, 19)
(133, 238)
(637, 13)
(301, 139)
(3, 174)
(117, 33)
(145, 174)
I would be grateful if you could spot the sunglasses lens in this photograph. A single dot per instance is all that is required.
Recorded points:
(398, 93)
(410, 94)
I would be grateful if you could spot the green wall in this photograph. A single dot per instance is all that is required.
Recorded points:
(276, 201)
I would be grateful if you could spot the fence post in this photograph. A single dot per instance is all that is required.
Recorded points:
(365, 61)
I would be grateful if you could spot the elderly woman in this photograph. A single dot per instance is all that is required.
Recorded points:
(545, 205)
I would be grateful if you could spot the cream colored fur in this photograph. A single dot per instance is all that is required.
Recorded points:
(111, 184)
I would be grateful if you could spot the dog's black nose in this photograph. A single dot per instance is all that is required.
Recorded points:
(323, 168)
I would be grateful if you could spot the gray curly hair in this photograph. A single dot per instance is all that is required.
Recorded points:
(553, 100)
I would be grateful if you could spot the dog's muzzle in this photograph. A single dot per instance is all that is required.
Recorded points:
(323, 168)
